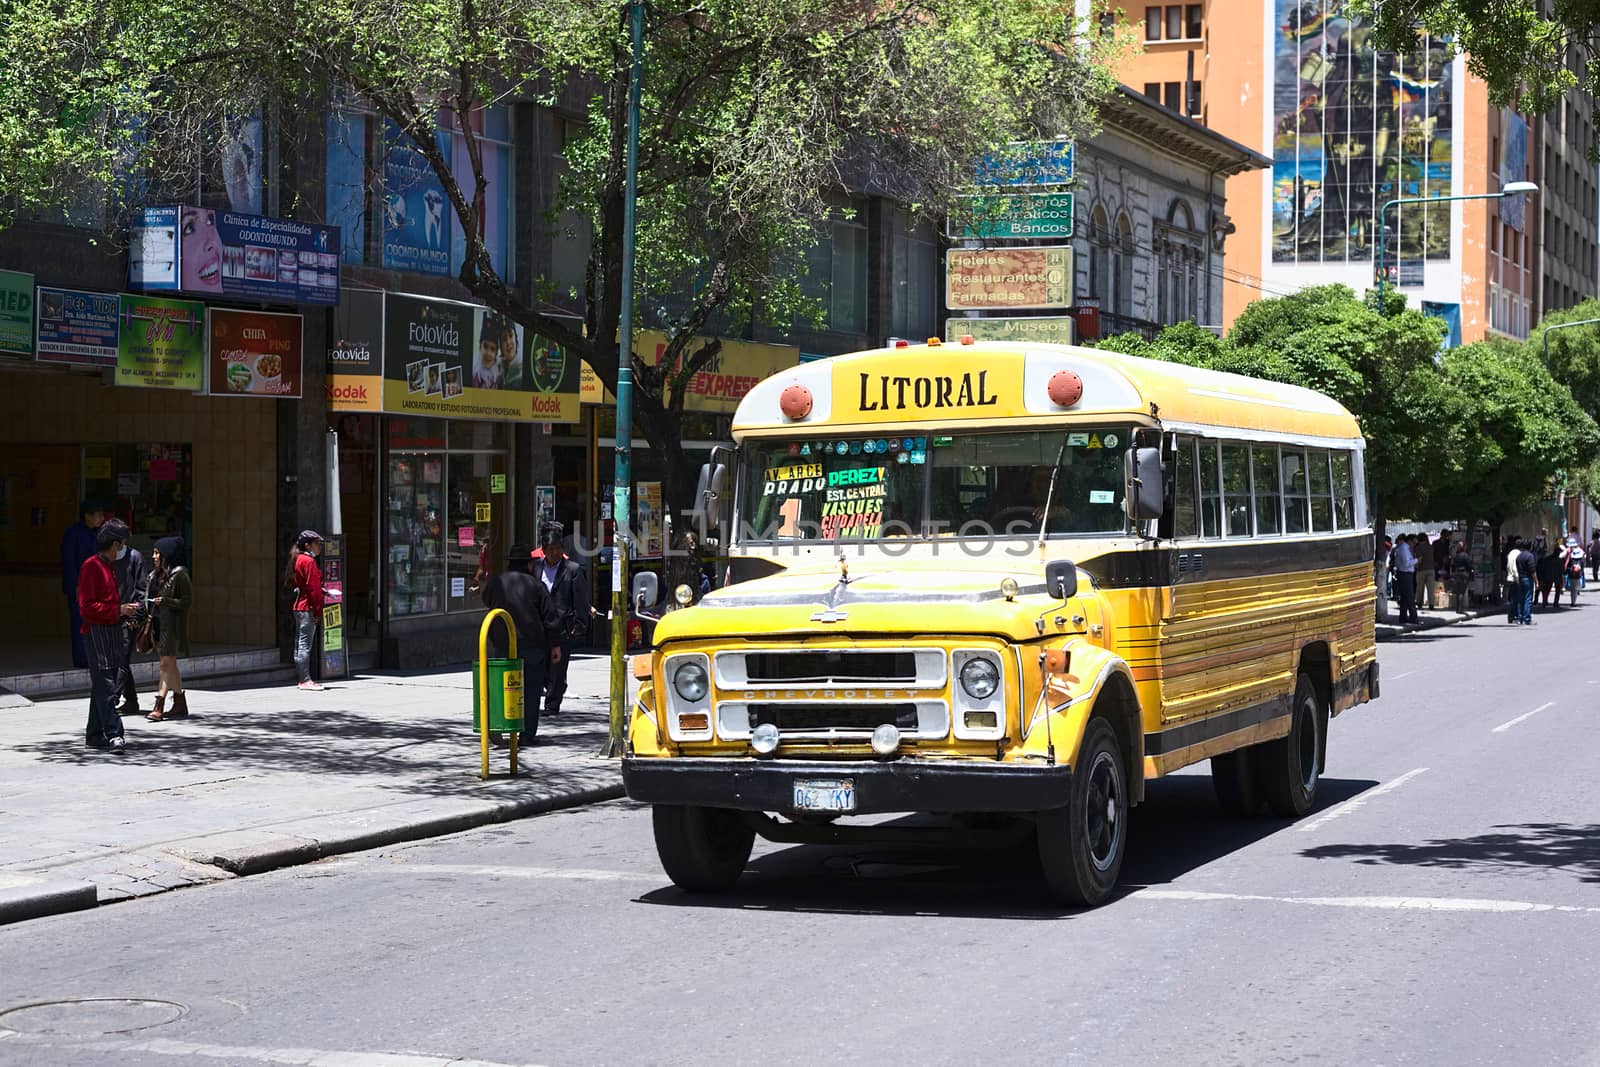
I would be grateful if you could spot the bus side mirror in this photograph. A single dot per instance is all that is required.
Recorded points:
(1143, 496)
(646, 590)
(1061, 579)
(708, 495)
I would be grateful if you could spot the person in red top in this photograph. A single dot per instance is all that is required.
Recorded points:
(304, 576)
(100, 604)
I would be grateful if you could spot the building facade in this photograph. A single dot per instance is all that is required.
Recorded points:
(1350, 129)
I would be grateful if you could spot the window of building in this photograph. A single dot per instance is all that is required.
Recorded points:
(914, 302)
(1123, 266)
(346, 193)
(492, 128)
(1175, 22)
(1100, 256)
(1192, 22)
(1172, 97)
(1152, 24)
(1153, 91)
(836, 267)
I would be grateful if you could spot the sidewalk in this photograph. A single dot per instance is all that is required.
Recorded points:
(1432, 619)
(265, 778)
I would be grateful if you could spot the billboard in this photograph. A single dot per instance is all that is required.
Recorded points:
(462, 361)
(16, 312)
(161, 343)
(416, 215)
(201, 252)
(253, 353)
(355, 359)
(1352, 129)
(1007, 278)
(75, 326)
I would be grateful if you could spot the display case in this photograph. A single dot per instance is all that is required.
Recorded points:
(415, 570)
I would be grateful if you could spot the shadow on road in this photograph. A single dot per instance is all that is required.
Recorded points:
(1552, 846)
(1178, 829)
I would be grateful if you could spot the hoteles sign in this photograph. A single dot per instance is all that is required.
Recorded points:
(1007, 278)
(462, 361)
(200, 252)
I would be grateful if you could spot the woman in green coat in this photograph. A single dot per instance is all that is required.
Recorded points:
(171, 593)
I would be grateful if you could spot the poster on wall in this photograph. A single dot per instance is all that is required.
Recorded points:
(462, 361)
(1513, 166)
(75, 326)
(16, 312)
(650, 515)
(1354, 128)
(253, 353)
(202, 252)
(161, 343)
(355, 359)
(544, 502)
(416, 215)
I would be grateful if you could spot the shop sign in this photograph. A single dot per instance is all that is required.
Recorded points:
(254, 353)
(1026, 216)
(161, 343)
(721, 384)
(201, 252)
(1007, 278)
(16, 312)
(1056, 329)
(1023, 163)
(452, 360)
(77, 327)
(355, 359)
(416, 215)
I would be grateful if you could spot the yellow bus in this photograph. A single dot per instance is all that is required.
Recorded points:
(1008, 583)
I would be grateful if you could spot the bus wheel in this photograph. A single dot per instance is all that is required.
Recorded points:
(1233, 776)
(703, 850)
(1287, 768)
(1081, 845)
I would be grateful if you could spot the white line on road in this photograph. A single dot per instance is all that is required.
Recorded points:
(1377, 903)
(1397, 677)
(1503, 727)
(1355, 802)
(306, 1057)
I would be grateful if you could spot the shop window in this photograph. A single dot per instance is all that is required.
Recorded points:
(149, 487)
(914, 271)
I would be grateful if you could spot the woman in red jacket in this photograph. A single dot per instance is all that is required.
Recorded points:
(304, 576)
(100, 604)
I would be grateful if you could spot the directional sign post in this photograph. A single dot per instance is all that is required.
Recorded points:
(1025, 163)
(1027, 216)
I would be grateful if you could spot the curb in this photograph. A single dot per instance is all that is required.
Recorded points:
(26, 896)
(1390, 631)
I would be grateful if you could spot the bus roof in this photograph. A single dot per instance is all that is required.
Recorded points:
(983, 383)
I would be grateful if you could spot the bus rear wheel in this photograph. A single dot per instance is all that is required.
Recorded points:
(1288, 768)
(703, 850)
(1081, 845)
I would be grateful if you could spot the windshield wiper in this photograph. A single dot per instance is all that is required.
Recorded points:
(1049, 496)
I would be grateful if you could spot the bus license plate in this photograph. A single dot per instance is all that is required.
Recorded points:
(824, 794)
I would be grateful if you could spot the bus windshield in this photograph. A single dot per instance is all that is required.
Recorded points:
(857, 488)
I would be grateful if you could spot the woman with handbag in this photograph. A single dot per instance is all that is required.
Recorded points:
(305, 578)
(173, 594)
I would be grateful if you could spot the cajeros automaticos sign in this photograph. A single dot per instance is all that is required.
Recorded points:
(461, 361)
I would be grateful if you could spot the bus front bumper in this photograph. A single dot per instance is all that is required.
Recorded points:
(902, 785)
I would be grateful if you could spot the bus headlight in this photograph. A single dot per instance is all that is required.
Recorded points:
(979, 677)
(691, 682)
(1009, 588)
(683, 595)
(764, 739)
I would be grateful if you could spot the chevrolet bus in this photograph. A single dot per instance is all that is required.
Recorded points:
(1007, 584)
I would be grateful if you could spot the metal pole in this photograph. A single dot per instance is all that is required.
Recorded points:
(1383, 244)
(1548, 330)
(621, 512)
(1383, 212)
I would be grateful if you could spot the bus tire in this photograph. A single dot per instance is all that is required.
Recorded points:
(1081, 846)
(1287, 769)
(1233, 777)
(703, 850)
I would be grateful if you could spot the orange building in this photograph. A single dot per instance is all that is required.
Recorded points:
(1350, 129)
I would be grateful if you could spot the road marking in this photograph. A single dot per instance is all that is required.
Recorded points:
(1397, 677)
(1374, 903)
(306, 1057)
(1356, 802)
(1503, 727)
(484, 870)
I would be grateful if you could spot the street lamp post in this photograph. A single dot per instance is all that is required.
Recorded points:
(1548, 330)
(1514, 189)
(622, 480)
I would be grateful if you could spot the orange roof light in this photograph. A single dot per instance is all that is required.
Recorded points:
(966, 338)
(934, 342)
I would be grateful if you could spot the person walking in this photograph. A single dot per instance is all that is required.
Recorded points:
(1439, 573)
(131, 585)
(569, 591)
(304, 576)
(1546, 571)
(1527, 568)
(538, 624)
(1571, 570)
(1405, 567)
(1512, 548)
(1460, 576)
(78, 543)
(172, 596)
(103, 612)
(1594, 556)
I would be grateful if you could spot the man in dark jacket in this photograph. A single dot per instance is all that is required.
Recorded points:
(538, 628)
(77, 545)
(1527, 568)
(569, 591)
(131, 577)
(103, 614)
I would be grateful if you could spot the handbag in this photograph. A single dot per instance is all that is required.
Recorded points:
(145, 639)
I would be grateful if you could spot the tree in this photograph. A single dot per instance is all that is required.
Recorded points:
(1530, 60)
(1574, 352)
(752, 112)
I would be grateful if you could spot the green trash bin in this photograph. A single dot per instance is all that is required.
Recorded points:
(505, 699)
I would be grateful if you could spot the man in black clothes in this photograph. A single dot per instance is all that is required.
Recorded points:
(538, 629)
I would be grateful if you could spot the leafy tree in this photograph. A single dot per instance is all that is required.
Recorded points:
(1574, 352)
(752, 112)
(1529, 59)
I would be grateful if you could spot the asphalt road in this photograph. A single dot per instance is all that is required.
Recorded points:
(1441, 906)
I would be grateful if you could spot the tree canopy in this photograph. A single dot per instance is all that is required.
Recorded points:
(753, 113)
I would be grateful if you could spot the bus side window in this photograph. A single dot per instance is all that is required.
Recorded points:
(1236, 489)
(1321, 492)
(1296, 520)
(1344, 502)
(1185, 516)
(1210, 490)
(1269, 501)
